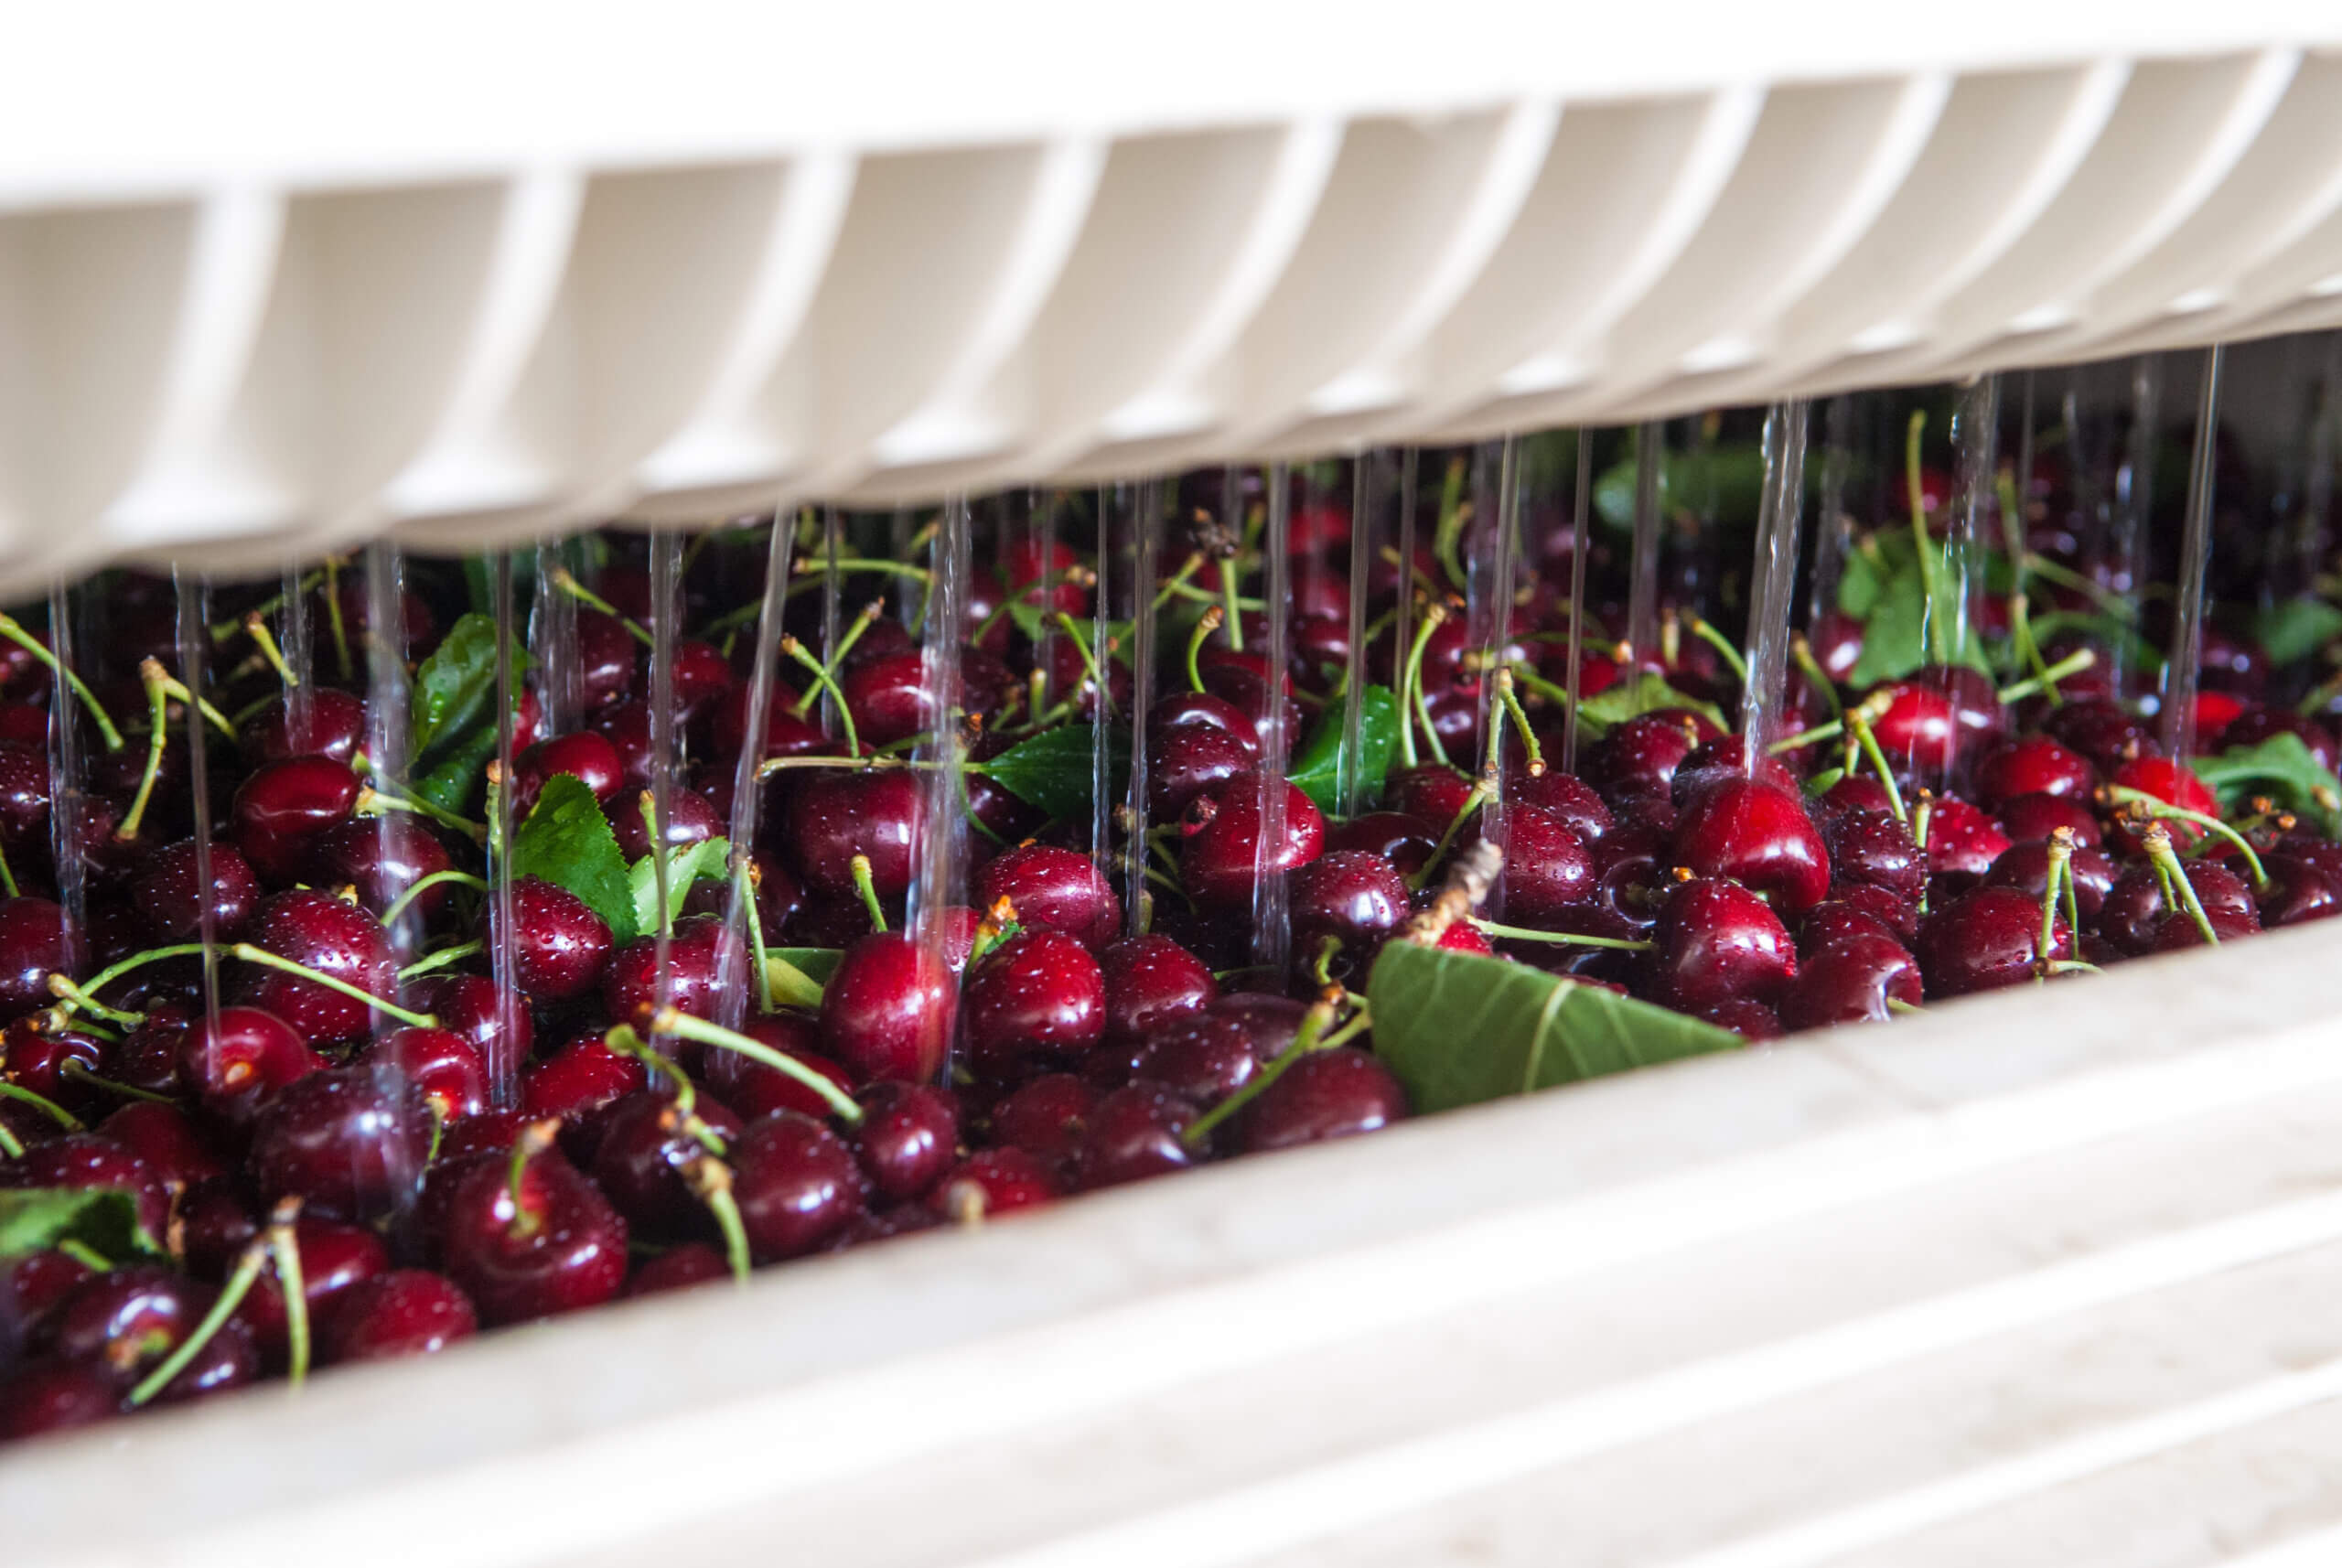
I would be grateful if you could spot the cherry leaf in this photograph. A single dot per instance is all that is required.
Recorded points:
(1460, 1028)
(798, 975)
(1055, 769)
(1316, 772)
(1646, 693)
(2280, 768)
(567, 842)
(686, 864)
(35, 1218)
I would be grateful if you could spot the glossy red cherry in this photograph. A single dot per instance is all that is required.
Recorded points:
(1045, 1116)
(1217, 862)
(466, 1007)
(885, 1011)
(1874, 849)
(379, 859)
(351, 1143)
(2179, 932)
(1392, 835)
(796, 1184)
(1715, 942)
(33, 946)
(2296, 892)
(1546, 867)
(1431, 796)
(283, 806)
(2025, 867)
(1641, 754)
(2100, 730)
(1038, 994)
(1355, 898)
(755, 1089)
(2133, 908)
(680, 1268)
(1759, 835)
(406, 1312)
(579, 1079)
(1053, 889)
(546, 1243)
(233, 1062)
(47, 1061)
(1212, 712)
(702, 956)
(1150, 980)
(1325, 1095)
(1134, 1133)
(1962, 842)
(690, 820)
(334, 726)
(1566, 795)
(643, 1152)
(559, 946)
(1187, 760)
(322, 933)
(2167, 781)
(2034, 765)
(836, 815)
(1986, 939)
(583, 754)
(908, 1138)
(336, 1259)
(173, 1148)
(2030, 817)
(127, 1321)
(994, 1182)
(1851, 981)
(167, 893)
(43, 1397)
(1204, 1058)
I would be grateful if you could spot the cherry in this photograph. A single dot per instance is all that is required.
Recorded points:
(1205, 1059)
(167, 893)
(1150, 980)
(530, 1237)
(163, 1136)
(702, 955)
(349, 1143)
(2297, 891)
(838, 815)
(2133, 908)
(2100, 730)
(1855, 792)
(1325, 1095)
(85, 1162)
(626, 727)
(33, 946)
(381, 860)
(2029, 817)
(1053, 889)
(1187, 760)
(605, 660)
(1717, 941)
(55, 1396)
(756, 1090)
(1962, 842)
(1725, 760)
(282, 806)
(641, 1156)
(2035, 764)
(1134, 1133)
(1357, 899)
(335, 728)
(885, 1011)
(909, 1137)
(993, 1182)
(1641, 754)
(579, 1079)
(406, 1312)
(23, 791)
(690, 820)
(1759, 835)
(1047, 1115)
(2026, 866)
(44, 1060)
(2179, 932)
(1566, 795)
(796, 1184)
(466, 1006)
(1751, 1021)
(680, 1268)
(1430, 796)
(1874, 849)
(1547, 869)
(2258, 724)
(1217, 864)
(321, 933)
(1390, 835)
(582, 754)
(1039, 993)
(2169, 782)
(1936, 717)
(1985, 938)
(233, 1062)
(560, 946)
(336, 1259)
(128, 1320)
(1850, 979)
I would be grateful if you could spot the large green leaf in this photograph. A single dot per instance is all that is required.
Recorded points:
(1460, 1028)
(1631, 699)
(1054, 770)
(2280, 768)
(34, 1218)
(567, 842)
(1888, 592)
(686, 864)
(1316, 772)
(1732, 475)
(2296, 629)
(453, 716)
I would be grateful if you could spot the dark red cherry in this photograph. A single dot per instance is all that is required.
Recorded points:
(1392, 835)
(2100, 730)
(579, 1079)
(626, 727)
(755, 1089)
(1325, 1095)
(1046, 1115)
(2034, 765)
(679, 1268)
(545, 1243)
(443, 1064)
(1855, 792)
(1040, 994)
(47, 1061)
(33, 946)
(42, 1397)
(2030, 817)
(605, 662)
(643, 1152)
(1851, 981)
(466, 1007)
(2169, 782)
(993, 1182)
(2258, 724)
(702, 958)
(1566, 795)
(1962, 842)
(1546, 867)
(1725, 760)
(130, 1319)
(559, 946)
(690, 820)
(2133, 908)
(381, 860)
(890, 697)
(336, 1259)
(234, 1061)
(1204, 1058)
(1187, 760)
(322, 933)
(1217, 864)
(1053, 889)
(1759, 835)
(1134, 1133)
(2179, 932)
(178, 1154)
(583, 754)
(2296, 892)
(887, 1010)
(167, 893)
(1750, 1020)
(1872, 849)
(280, 808)
(1986, 939)
(349, 1143)
(85, 1162)
(23, 793)
(1716, 940)
(1150, 980)
(796, 1184)
(406, 1312)
(909, 1137)
(1357, 899)
(1431, 796)
(334, 726)
(836, 815)
(2025, 867)
(1641, 754)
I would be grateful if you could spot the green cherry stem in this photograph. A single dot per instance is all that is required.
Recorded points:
(232, 1295)
(377, 798)
(1567, 939)
(136, 961)
(1097, 682)
(675, 1021)
(1801, 650)
(9, 1145)
(7, 874)
(1511, 701)
(400, 905)
(1723, 645)
(285, 1246)
(74, 1070)
(569, 585)
(2034, 685)
(159, 713)
(1434, 614)
(46, 1106)
(1805, 738)
(1858, 718)
(710, 1180)
(265, 641)
(176, 690)
(824, 671)
(2156, 841)
(2155, 806)
(1311, 1036)
(267, 960)
(14, 630)
(79, 999)
(429, 963)
(1483, 790)
(862, 884)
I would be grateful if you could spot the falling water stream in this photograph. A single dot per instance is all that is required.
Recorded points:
(194, 643)
(1349, 782)
(1580, 562)
(1146, 536)
(732, 987)
(1773, 578)
(2181, 674)
(1272, 925)
(504, 1064)
(666, 612)
(939, 880)
(1642, 583)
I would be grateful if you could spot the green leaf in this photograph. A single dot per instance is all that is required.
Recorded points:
(1893, 595)
(1646, 693)
(35, 1218)
(1460, 1028)
(798, 975)
(451, 782)
(1034, 620)
(455, 727)
(1052, 770)
(2295, 629)
(567, 842)
(686, 864)
(1316, 772)
(1731, 475)
(2280, 768)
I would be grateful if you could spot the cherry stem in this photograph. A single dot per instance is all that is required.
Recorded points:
(1805, 738)
(9, 1144)
(232, 1295)
(624, 1041)
(268, 960)
(223, 631)
(1453, 513)
(136, 961)
(1896, 1005)
(1801, 650)
(159, 713)
(1089, 662)
(333, 615)
(1229, 605)
(569, 585)
(823, 670)
(1519, 716)
(14, 630)
(2057, 879)
(1482, 791)
(1206, 624)
(2156, 841)
(1419, 705)
(1178, 579)
(2065, 577)
(1723, 645)
(1924, 549)
(375, 799)
(2155, 806)
(7, 874)
(79, 1072)
(441, 959)
(2034, 685)
(1567, 939)
(265, 641)
(42, 1103)
(1858, 720)
(177, 691)
(711, 1182)
(684, 1025)
(744, 882)
(423, 885)
(1310, 1036)
(75, 997)
(998, 925)
(285, 1246)
(534, 1140)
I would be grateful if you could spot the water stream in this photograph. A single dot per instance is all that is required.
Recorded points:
(2181, 673)
(1773, 578)
(1272, 925)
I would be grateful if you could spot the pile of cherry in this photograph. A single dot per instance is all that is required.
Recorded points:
(320, 1170)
